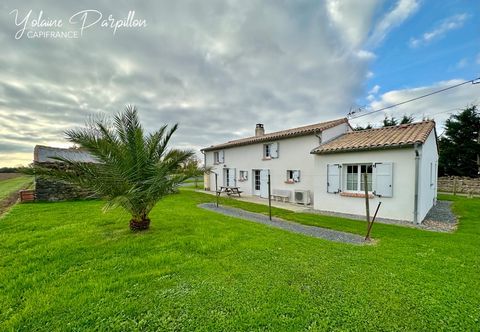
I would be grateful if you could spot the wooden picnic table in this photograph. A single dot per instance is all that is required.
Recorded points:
(229, 191)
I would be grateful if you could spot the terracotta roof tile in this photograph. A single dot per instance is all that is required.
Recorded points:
(380, 138)
(293, 132)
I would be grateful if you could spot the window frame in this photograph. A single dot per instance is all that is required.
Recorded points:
(216, 157)
(291, 176)
(267, 147)
(242, 176)
(359, 179)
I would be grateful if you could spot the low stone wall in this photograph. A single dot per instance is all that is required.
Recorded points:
(460, 185)
(50, 190)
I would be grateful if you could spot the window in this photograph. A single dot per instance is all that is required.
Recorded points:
(350, 178)
(355, 180)
(293, 176)
(266, 150)
(257, 179)
(218, 157)
(243, 176)
(270, 150)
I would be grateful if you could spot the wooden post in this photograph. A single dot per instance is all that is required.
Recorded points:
(269, 198)
(367, 203)
(454, 186)
(367, 238)
(216, 187)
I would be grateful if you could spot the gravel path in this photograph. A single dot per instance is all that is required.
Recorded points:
(441, 218)
(313, 231)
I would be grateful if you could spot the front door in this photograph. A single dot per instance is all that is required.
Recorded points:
(260, 182)
(256, 182)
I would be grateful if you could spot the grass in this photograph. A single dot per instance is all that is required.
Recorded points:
(10, 185)
(67, 266)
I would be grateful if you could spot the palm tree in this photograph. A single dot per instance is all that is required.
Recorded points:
(134, 170)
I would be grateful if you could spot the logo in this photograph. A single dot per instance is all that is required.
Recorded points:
(40, 26)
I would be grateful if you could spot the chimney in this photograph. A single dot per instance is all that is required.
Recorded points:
(259, 130)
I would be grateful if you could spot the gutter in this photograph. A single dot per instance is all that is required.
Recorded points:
(417, 182)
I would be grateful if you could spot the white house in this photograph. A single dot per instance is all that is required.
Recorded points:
(401, 164)
(285, 155)
(324, 164)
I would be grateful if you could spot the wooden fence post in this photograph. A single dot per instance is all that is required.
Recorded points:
(367, 203)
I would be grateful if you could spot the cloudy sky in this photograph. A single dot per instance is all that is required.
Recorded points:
(219, 67)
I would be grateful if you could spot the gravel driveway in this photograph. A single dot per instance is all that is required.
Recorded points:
(313, 231)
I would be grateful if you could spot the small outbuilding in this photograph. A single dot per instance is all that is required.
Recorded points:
(52, 190)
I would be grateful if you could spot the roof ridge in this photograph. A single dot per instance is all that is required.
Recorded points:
(384, 137)
(298, 131)
(403, 125)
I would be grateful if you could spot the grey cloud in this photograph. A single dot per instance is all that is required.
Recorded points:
(215, 67)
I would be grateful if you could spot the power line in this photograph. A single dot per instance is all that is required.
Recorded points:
(473, 81)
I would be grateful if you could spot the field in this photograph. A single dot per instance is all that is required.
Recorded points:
(68, 266)
(11, 183)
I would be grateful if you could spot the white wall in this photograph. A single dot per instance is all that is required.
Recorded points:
(427, 193)
(400, 206)
(294, 154)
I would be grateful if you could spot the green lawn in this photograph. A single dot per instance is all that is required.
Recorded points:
(9, 186)
(67, 266)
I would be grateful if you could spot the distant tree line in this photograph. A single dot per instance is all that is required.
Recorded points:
(8, 170)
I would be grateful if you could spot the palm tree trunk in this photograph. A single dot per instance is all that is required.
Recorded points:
(140, 224)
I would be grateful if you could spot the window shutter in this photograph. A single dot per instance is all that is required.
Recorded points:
(221, 156)
(383, 184)
(274, 150)
(232, 181)
(333, 178)
(296, 176)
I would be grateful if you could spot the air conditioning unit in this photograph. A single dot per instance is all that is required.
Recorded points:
(302, 197)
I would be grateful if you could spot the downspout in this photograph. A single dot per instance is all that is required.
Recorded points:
(204, 165)
(318, 134)
(417, 175)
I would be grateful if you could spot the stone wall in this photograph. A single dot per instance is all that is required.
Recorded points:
(461, 185)
(52, 190)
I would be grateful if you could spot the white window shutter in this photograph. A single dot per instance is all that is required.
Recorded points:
(274, 150)
(296, 176)
(333, 178)
(383, 184)
(232, 180)
(222, 156)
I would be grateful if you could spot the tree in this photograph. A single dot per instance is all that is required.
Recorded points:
(406, 119)
(134, 170)
(193, 168)
(460, 146)
(387, 122)
(358, 127)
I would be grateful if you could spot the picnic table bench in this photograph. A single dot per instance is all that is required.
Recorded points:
(229, 191)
